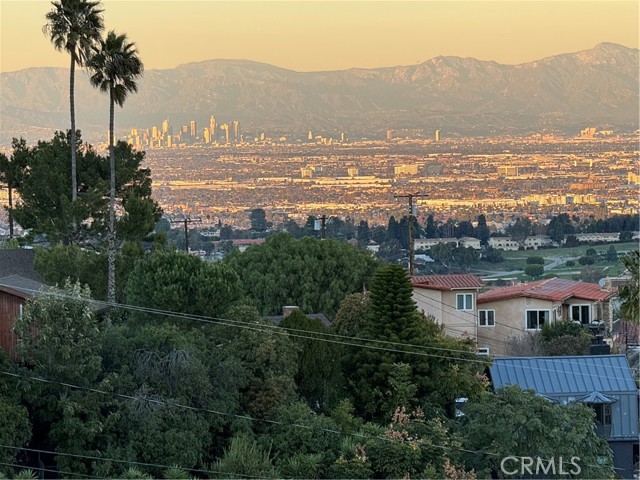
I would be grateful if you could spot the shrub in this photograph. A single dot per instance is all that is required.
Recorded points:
(586, 260)
(535, 261)
(534, 270)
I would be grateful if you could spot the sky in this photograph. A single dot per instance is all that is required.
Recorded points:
(332, 35)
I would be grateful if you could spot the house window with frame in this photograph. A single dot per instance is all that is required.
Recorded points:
(464, 301)
(486, 318)
(581, 313)
(537, 318)
(603, 413)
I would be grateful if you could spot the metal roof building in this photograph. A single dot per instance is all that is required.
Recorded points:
(604, 382)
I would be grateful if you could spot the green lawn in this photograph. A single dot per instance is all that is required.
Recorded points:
(517, 260)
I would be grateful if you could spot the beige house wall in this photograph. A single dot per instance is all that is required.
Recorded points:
(442, 305)
(510, 321)
(510, 318)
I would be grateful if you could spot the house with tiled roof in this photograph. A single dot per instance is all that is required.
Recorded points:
(512, 311)
(451, 299)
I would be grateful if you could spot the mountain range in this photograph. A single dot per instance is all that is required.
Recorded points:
(596, 87)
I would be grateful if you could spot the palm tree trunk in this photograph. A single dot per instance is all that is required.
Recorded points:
(10, 208)
(74, 140)
(111, 288)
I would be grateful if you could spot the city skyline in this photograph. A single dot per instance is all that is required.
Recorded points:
(319, 35)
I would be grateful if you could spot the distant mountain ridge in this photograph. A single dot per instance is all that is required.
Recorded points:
(574, 90)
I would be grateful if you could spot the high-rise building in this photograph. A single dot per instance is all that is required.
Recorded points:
(193, 128)
(185, 129)
(236, 131)
(154, 133)
(212, 126)
(206, 135)
(165, 126)
(437, 135)
(310, 137)
(225, 128)
(169, 141)
(389, 134)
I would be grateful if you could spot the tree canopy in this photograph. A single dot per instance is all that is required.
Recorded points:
(519, 423)
(628, 293)
(44, 187)
(183, 283)
(313, 274)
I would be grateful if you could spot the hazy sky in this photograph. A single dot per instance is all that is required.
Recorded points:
(332, 35)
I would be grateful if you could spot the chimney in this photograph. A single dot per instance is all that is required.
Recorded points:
(288, 310)
(598, 347)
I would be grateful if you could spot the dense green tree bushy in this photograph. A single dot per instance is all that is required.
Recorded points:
(513, 422)
(182, 283)
(310, 273)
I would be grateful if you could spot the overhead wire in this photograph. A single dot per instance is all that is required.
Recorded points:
(278, 330)
(244, 417)
(114, 460)
(43, 469)
(287, 331)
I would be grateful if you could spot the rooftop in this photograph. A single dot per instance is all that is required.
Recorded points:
(564, 375)
(20, 286)
(553, 289)
(448, 282)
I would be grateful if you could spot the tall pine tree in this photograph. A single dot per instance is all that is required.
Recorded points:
(381, 377)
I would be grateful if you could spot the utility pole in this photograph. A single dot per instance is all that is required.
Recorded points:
(411, 196)
(186, 221)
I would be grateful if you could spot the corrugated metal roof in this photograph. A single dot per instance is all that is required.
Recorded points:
(564, 375)
(447, 282)
(553, 289)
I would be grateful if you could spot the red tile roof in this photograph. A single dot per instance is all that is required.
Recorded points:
(448, 282)
(248, 241)
(553, 289)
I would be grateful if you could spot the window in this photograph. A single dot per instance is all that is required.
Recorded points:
(484, 352)
(537, 318)
(603, 413)
(581, 313)
(486, 318)
(464, 301)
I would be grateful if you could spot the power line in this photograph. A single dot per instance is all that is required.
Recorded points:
(115, 460)
(42, 469)
(277, 330)
(297, 333)
(186, 221)
(205, 410)
(245, 417)
(410, 197)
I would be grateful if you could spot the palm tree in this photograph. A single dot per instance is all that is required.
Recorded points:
(115, 67)
(74, 26)
(629, 293)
